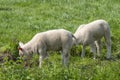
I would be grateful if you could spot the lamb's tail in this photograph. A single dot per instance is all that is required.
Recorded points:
(74, 40)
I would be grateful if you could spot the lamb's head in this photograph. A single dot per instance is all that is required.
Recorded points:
(23, 52)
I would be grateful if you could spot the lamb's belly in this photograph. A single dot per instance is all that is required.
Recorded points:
(91, 40)
(54, 48)
(98, 37)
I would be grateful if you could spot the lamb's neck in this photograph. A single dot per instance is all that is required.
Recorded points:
(79, 38)
(28, 46)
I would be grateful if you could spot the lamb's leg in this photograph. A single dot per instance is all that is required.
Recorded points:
(42, 56)
(83, 51)
(65, 57)
(66, 46)
(40, 61)
(108, 44)
(93, 49)
(98, 45)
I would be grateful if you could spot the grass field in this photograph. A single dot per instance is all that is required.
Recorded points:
(20, 20)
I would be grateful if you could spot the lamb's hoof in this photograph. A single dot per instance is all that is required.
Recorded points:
(94, 58)
(82, 56)
(110, 58)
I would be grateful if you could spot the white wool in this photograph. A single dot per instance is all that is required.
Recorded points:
(54, 40)
(91, 34)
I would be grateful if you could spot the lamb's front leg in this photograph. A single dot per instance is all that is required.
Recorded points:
(93, 49)
(65, 57)
(83, 51)
(42, 56)
(98, 45)
(40, 61)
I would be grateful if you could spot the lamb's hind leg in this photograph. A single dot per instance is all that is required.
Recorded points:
(66, 46)
(108, 44)
(65, 57)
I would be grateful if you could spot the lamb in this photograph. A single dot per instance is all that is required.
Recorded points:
(91, 34)
(55, 40)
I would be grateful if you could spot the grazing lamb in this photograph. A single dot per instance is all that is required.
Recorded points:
(91, 34)
(55, 40)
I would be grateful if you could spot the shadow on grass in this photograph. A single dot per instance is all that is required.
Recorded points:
(7, 55)
(113, 58)
(5, 9)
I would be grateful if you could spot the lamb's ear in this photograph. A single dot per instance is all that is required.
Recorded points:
(20, 44)
(20, 48)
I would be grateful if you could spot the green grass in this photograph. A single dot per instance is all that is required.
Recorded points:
(20, 20)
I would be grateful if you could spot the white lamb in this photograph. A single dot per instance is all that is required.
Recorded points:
(91, 34)
(55, 40)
